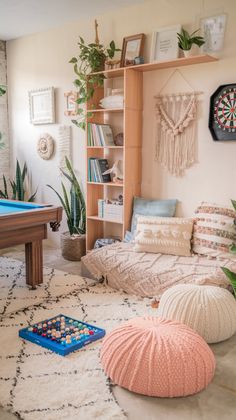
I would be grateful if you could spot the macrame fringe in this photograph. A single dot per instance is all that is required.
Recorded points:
(175, 132)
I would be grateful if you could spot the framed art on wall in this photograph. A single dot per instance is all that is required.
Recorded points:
(132, 48)
(165, 44)
(71, 104)
(41, 105)
(213, 30)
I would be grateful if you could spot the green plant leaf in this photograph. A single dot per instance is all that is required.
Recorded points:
(232, 248)
(234, 204)
(73, 60)
(231, 276)
(19, 182)
(32, 197)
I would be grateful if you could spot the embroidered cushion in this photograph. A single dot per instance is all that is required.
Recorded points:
(165, 235)
(144, 207)
(214, 230)
(208, 310)
(156, 357)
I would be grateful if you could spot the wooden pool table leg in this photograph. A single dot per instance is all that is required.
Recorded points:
(34, 263)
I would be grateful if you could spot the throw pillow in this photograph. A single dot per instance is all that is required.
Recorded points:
(214, 230)
(145, 207)
(165, 235)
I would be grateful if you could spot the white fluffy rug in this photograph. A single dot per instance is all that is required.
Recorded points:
(37, 384)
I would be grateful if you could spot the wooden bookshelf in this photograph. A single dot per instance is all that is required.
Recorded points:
(130, 120)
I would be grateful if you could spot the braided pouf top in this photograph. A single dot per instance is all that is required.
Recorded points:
(209, 310)
(156, 357)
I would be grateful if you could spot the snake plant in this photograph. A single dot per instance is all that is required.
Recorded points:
(74, 205)
(17, 186)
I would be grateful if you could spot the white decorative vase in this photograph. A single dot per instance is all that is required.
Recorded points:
(194, 50)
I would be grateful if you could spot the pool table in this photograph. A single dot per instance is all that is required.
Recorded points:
(26, 223)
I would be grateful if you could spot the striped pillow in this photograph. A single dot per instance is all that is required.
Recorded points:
(213, 230)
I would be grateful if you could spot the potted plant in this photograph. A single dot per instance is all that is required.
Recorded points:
(186, 41)
(18, 191)
(230, 274)
(91, 59)
(73, 242)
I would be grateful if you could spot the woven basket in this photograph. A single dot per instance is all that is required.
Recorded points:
(73, 247)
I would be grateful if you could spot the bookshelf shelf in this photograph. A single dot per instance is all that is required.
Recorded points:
(106, 184)
(102, 110)
(101, 219)
(130, 119)
(179, 62)
(105, 147)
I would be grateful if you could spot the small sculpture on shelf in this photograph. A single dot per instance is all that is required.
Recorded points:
(116, 171)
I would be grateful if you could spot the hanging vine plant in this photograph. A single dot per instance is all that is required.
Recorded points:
(91, 59)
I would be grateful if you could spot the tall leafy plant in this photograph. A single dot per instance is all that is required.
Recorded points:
(91, 59)
(73, 203)
(18, 191)
(230, 274)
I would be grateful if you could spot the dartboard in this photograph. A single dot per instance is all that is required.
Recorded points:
(222, 118)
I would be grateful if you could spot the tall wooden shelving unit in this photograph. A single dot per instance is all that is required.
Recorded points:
(129, 121)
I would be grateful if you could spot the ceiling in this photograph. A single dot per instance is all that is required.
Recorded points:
(23, 17)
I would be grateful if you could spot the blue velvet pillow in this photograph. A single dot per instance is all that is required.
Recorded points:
(161, 208)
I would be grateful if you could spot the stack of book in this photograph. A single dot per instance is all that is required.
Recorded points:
(96, 169)
(100, 135)
(108, 211)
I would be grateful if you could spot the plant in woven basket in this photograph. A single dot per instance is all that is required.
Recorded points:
(73, 242)
(186, 40)
(91, 59)
(17, 185)
(74, 205)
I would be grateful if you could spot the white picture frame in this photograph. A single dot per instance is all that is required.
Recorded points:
(42, 106)
(165, 44)
(213, 31)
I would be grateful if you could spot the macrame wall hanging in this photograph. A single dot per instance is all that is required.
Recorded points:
(176, 147)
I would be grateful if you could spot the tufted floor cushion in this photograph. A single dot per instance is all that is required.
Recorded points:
(209, 310)
(156, 357)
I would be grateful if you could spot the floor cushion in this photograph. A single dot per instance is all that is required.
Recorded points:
(148, 274)
(157, 357)
(209, 310)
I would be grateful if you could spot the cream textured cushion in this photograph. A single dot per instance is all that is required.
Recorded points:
(209, 310)
(165, 235)
(214, 230)
(157, 357)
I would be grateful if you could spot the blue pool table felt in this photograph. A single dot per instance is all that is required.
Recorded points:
(9, 207)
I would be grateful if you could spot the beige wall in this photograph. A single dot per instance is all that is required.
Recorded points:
(41, 60)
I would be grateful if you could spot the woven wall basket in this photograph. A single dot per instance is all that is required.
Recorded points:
(73, 247)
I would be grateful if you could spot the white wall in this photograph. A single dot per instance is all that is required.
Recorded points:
(41, 60)
(4, 151)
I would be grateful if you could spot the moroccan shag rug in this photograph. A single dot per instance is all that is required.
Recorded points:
(37, 384)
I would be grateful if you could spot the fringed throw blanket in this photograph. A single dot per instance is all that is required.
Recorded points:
(175, 134)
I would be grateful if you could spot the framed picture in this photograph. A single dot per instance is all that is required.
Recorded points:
(213, 31)
(71, 105)
(132, 48)
(41, 105)
(165, 44)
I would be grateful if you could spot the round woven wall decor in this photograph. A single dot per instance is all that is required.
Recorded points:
(45, 146)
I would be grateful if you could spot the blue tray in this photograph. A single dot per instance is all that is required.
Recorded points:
(60, 346)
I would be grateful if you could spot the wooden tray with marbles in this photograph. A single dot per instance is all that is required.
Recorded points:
(62, 334)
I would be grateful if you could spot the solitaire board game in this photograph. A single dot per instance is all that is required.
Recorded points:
(62, 334)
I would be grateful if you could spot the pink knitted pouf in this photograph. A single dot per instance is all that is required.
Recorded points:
(156, 357)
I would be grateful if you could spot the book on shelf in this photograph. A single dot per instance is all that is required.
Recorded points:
(96, 168)
(110, 210)
(100, 135)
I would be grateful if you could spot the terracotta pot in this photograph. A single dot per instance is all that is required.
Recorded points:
(73, 247)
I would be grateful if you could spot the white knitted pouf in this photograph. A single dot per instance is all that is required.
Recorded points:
(209, 310)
